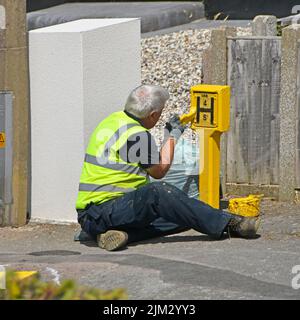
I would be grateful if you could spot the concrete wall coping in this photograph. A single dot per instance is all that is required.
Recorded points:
(292, 27)
(253, 37)
(82, 25)
(153, 15)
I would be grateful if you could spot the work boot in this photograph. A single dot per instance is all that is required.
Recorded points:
(112, 240)
(244, 227)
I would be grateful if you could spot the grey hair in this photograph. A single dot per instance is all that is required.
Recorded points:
(145, 99)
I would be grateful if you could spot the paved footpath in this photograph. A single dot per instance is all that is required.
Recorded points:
(188, 265)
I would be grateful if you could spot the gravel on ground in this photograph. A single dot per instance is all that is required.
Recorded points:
(174, 61)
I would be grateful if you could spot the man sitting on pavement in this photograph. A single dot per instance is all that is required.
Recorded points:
(117, 204)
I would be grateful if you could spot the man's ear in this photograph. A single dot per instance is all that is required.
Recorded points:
(155, 114)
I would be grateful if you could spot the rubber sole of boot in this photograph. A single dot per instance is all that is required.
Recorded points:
(251, 233)
(112, 240)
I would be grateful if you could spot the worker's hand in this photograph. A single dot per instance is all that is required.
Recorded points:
(175, 127)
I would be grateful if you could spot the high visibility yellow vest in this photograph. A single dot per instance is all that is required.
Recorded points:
(105, 175)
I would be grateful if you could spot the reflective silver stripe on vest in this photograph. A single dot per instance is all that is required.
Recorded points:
(98, 188)
(118, 133)
(114, 138)
(115, 165)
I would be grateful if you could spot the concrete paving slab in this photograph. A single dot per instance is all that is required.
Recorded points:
(188, 265)
(154, 15)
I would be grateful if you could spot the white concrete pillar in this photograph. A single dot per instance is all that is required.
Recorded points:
(2, 18)
(80, 72)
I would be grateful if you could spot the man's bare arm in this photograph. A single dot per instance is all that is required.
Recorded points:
(158, 171)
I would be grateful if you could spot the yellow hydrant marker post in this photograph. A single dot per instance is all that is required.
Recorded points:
(210, 117)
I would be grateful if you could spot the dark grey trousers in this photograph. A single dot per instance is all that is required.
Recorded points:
(153, 210)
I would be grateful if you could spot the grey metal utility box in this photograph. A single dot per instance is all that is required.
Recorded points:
(6, 156)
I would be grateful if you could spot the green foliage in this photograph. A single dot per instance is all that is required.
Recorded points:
(32, 288)
(279, 29)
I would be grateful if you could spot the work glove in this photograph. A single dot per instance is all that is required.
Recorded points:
(174, 126)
